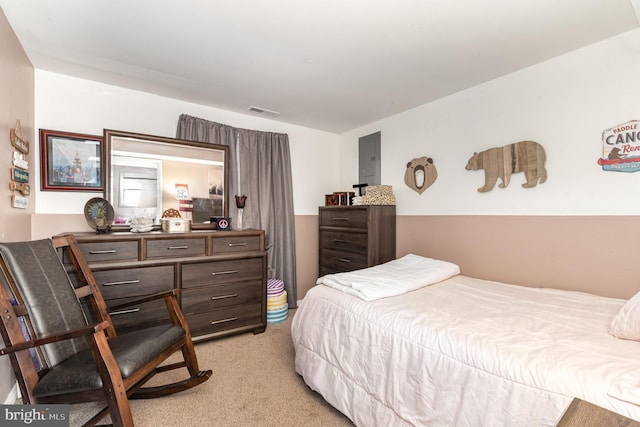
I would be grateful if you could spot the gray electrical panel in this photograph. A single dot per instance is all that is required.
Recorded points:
(369, 159)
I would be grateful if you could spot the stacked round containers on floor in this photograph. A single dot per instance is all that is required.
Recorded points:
(277, 307)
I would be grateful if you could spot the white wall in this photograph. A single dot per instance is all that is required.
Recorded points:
(564, 104)
(75, 105)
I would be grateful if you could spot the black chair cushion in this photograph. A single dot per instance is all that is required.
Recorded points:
(131, 351)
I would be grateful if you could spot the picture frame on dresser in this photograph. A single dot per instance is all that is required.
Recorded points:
(71, 161)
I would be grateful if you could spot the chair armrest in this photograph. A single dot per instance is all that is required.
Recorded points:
(81, 332)
(167, 294)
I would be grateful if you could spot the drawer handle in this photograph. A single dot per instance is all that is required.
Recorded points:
(343, 260)
(341, 241)
(104, 251)
(237, 244)
(215, 273)
(224, 297)
(230, 319)
(122, 282)
(178, 247)
(341, 219)
(128, 311)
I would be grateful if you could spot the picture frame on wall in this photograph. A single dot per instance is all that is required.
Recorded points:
(71, 161)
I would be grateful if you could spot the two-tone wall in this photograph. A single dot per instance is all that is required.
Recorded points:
(564, 104)
(16, 103)
(578, 230)
(76, 105)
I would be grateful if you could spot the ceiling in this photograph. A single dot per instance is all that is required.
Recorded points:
(332, 65)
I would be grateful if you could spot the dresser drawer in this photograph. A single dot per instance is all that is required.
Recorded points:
(109, 251)
(151, 312)
(217, 272)
(221, 276)
(209, 298)
(324, 270)
(341, 260)
(119, 283)
(172, 248)
(225, 319)
(236, 244)
(350, 218)
(344, 241)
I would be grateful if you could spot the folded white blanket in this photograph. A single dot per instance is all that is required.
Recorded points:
(391, 278)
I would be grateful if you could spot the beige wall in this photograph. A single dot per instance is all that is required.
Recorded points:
(306, 253)
(585, 253)
(17, 89)
(44, 226)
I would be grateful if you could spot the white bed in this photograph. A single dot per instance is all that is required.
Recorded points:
(465, 352)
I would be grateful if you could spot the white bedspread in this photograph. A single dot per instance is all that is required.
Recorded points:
(464, 352)
(391, 278)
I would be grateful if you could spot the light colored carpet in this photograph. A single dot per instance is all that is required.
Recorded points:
(253, 384)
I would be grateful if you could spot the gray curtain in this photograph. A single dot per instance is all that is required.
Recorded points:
(259, 168)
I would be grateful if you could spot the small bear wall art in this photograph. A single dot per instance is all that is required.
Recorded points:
(420, 174)
(501, 162)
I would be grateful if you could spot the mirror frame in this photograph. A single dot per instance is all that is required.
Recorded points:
(110, 133)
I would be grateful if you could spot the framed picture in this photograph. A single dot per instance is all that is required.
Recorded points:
(71, 161)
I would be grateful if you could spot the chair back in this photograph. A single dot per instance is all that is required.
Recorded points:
(41, 314)
(38, 280)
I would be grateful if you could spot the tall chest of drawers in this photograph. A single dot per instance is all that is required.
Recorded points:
(221, 274)
(354, 237)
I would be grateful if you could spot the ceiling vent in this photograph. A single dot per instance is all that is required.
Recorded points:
(260, 110)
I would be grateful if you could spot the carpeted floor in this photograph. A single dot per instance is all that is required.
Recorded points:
(253, 384)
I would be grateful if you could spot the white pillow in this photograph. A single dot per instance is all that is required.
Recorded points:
(626, 324)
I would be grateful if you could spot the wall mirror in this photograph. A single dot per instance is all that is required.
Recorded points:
(148, 175)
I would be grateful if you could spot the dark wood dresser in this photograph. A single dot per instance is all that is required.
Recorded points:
(222, 276)
(354, 237)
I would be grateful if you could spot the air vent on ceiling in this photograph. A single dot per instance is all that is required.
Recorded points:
(260, 110)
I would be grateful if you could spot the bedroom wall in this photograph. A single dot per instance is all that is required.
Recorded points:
(16, 87)
(76, 105)
(579, 229)
(564, 104)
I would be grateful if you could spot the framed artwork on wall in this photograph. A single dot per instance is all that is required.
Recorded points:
(71, 161)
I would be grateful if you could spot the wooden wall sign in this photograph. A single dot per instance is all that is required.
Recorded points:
(19, 160)
(420, 174)
(500, 162)
(19, 174)
(621, 148)
(18, 141)
(22, 187)
(19, 202)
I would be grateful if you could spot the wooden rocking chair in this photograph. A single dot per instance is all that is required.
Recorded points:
(60, 358)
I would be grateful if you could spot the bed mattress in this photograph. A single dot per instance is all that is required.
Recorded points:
(465, 352)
